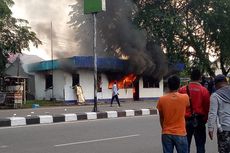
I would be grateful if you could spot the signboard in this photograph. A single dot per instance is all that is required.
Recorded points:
(94, 6)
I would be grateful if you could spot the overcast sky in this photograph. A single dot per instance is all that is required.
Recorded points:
(40, 14)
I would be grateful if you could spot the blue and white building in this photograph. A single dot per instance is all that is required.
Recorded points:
(55, 79)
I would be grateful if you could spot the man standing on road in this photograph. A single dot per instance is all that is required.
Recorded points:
(172, 108)
(197, 114)
(115, 94)
(219, 114)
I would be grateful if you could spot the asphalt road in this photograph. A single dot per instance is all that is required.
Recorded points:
(136, 105)
(120, 135)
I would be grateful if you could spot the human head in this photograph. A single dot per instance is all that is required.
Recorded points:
(203, 78)
(173, 82)
(220, 81)
(195, 74)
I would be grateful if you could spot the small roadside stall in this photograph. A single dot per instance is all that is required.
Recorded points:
(13, 91)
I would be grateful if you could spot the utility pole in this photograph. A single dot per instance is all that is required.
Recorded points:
(95, 60)
(93, 7)
(52, 59)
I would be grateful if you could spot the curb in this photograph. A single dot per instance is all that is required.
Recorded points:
(47, 119)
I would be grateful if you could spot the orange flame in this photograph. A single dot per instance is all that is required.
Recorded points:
(125, 82)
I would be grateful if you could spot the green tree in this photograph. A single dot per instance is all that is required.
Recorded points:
(218, 21)
(187, 29)
(15, 35)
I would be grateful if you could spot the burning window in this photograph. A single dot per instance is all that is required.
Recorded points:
(124, 82)
(150, 82)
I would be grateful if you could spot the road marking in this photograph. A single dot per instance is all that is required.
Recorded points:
(3, 146)
(97, 140)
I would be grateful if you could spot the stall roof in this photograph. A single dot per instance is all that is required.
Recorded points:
(16, 77)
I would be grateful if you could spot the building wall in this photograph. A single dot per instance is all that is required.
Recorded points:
(59, 84)
(69, 93)
(150, 92)
(63, 89)
(40, 86)
(87, 83)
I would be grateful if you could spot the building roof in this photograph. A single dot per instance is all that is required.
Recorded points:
(80, 62)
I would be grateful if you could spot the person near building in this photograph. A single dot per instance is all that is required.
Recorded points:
(197, 114)
(172, 107)
(115, 94)
(79, 94)
(219, 114)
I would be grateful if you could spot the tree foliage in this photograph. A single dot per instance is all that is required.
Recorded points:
(189, 30)
(15, 35)
(219, 26)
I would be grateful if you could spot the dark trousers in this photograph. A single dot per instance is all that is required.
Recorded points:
(223, 139)
(117, 99)
(199, 134)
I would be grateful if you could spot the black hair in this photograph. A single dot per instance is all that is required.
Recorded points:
(195, 74)
(173, 82)
(220, 78)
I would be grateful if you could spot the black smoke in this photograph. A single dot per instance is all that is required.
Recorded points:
(118, 36)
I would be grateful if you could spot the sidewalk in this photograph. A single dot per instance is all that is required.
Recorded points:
(15, 117)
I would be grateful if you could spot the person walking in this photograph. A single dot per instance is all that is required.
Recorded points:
(197, 114)
(115, 94)
(172, 108)
(219, 114)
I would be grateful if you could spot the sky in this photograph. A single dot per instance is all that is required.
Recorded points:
(40, 14)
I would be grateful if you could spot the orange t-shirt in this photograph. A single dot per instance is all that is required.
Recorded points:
(172, 108)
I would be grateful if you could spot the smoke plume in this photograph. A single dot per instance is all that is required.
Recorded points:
(40, 14)
(73, 32)
(118, 36)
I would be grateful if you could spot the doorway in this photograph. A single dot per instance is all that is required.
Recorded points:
(136, 90)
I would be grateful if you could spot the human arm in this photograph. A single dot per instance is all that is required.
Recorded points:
(161, 116)
(212, 115)
(210, 133)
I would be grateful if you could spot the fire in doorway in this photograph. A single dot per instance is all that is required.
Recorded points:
(124, 82)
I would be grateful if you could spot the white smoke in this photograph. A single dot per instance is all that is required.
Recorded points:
(40, 14)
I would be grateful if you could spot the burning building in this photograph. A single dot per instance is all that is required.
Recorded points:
(56, 79)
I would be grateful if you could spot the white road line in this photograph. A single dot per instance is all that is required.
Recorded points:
(97, 140)
(3, 146)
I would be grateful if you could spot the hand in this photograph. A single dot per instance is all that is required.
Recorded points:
(210, 133)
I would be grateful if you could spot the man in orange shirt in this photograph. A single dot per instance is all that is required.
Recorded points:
(172, 108)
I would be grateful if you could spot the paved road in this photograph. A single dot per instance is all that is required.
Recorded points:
(121, 135)
(135, 105)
